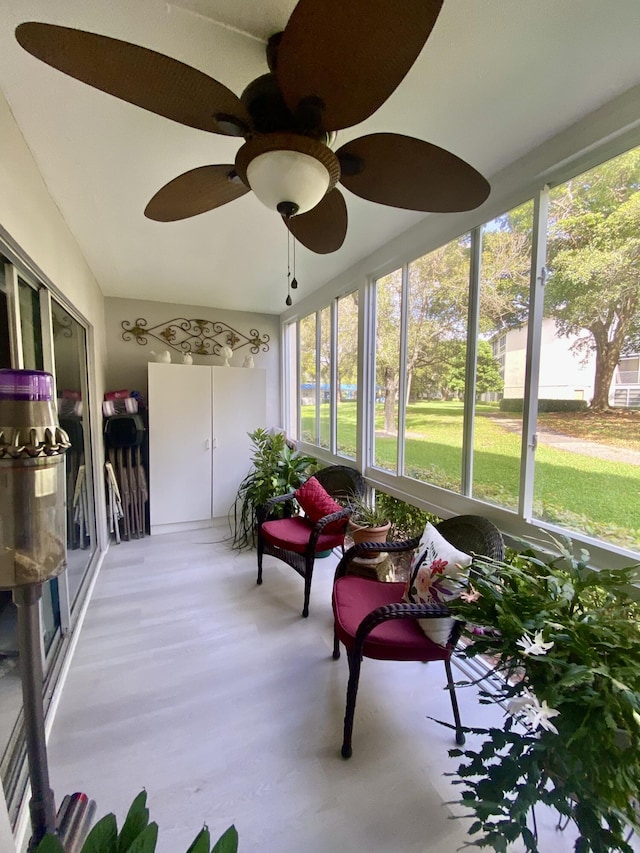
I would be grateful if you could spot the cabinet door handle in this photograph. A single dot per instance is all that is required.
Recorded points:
(207, 445)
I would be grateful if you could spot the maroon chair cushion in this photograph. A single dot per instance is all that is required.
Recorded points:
(317, 502)
(398, 639)
(292, 534)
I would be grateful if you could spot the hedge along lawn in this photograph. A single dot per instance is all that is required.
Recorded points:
(578, 491)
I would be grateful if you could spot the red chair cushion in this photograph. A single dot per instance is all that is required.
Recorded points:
(317, 502)
(292, 534)
(398, 639)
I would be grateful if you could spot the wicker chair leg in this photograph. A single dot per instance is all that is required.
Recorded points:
(307, 593)
(308, 574)
(355, 661)
(260, 555)
(460, 737)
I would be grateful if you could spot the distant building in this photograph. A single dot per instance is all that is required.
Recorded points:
(564, 374)
(625, 388)
(308, 392)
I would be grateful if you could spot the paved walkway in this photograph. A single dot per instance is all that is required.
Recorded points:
(560, 441)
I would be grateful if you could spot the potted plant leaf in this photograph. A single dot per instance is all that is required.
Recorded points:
(136, 836)
(277, 468)
(563, 641)
(369, 522)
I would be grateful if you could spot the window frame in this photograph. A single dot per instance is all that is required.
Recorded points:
(521, 523)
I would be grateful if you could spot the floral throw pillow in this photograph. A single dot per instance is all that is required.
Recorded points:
(436, 576)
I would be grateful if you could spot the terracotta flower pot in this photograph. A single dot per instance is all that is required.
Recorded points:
(368, 534)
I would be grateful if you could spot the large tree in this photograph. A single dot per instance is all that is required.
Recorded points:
(347, 342)
(437, 313)
(505, 270)
(308, 349)
(388, 317)
(488, 376)
(437, 308)
(593, 291)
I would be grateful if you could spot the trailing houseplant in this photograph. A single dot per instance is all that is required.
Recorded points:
(137, 835)
(564, 641)
(277, 468)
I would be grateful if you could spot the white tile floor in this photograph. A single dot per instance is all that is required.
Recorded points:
(214, 695)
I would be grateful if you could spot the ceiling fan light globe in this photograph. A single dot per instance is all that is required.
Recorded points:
(288, 176)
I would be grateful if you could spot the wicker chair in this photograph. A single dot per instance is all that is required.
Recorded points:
(371, 619)
(298, 542)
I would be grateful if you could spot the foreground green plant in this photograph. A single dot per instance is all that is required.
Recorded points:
(565, 641)
(138, 835)
(368, 513)
(276, 469)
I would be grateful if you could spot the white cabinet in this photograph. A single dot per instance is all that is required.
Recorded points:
(199, 450)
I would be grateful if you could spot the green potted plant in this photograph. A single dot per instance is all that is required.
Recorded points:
(277, 468)
(137, 835)
(369, 522)
(564, 642)
(406, 520)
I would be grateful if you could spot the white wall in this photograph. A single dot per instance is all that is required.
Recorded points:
(33, 223)
(564, 374)
(33, 220)
(127, 360)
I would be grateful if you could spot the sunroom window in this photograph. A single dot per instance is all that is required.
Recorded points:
(500, 367)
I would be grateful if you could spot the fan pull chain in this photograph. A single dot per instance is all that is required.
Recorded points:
(294, 283)
(288, 300)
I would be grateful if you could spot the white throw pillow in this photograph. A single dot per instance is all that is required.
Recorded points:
(437, 576)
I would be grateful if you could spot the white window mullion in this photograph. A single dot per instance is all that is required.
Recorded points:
(473, 328)
(534, 338)
(298, 384)
(366, 375)
(48, 360)
(318, 375)
(46, 323)
(402, 367)
(285, 373)
(13, 311)
(333, 381)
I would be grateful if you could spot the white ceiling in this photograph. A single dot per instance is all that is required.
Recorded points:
(495, 79)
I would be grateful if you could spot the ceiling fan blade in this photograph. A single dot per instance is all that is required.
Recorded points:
(135, 74)
(409, 173)
(350, 54)
(323, 228)
(196, 191)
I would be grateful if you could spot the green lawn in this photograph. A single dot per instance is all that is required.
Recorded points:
(580, 492)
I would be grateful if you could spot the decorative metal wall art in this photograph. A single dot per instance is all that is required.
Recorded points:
(200, 337)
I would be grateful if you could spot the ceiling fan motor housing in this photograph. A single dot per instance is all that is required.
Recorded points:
(287, 172)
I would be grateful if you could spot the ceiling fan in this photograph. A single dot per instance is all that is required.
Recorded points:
(335, 64)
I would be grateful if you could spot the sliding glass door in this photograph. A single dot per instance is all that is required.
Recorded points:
(38, 333)
(70, 362)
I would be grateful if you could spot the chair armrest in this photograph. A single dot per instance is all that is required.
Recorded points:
(364, 547)
(262, 512)
(319, 526)
(403, 610)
